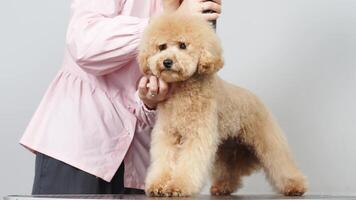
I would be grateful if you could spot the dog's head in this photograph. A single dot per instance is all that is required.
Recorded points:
(175, 47)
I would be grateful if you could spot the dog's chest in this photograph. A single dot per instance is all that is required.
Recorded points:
(188, 104)
(183, 106)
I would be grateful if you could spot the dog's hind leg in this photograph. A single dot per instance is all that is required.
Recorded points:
(270, 146)
(233, 161)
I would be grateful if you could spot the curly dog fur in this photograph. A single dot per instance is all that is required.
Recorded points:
(207, 126)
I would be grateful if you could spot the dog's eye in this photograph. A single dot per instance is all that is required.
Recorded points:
(162, 47)
(182, 45)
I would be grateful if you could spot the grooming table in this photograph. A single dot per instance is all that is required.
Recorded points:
(113, 197)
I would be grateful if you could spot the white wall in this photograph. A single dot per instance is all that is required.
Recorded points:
(32, 37)
(298, 56)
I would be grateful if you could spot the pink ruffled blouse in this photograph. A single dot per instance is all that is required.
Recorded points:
(91, 117)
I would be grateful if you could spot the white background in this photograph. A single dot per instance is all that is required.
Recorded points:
(298, 56)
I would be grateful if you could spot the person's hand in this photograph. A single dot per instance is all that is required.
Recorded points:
(152, 90)
(197, 7)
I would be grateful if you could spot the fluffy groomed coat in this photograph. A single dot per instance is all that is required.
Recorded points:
(207, 126)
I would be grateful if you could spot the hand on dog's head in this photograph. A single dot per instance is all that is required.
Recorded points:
(176, 47)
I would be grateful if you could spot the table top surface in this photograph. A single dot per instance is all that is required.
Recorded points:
(110, 197)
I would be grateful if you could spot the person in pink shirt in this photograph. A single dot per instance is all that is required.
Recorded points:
(91, 131)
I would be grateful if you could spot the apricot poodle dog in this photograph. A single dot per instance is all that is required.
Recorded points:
(207, 126)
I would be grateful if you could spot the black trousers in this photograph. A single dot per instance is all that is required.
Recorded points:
(55, 177)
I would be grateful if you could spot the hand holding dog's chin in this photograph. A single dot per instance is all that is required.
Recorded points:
(152, 90)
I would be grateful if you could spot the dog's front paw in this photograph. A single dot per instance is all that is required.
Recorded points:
(156, 187)
(176, 188)
(221, 189)
(173, 192)
(295, 187)
(154, 190)
(156, 182)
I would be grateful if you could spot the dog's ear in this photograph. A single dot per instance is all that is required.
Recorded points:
(142, 59)
(211, 59)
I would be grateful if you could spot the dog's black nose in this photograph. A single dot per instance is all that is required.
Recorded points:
(168, 63)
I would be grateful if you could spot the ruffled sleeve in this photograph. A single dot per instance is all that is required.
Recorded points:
(101, 40)
(143, 113)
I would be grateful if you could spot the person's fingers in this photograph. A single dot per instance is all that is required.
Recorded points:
(211, 16)
(142, 86)
(153, 86)
(209, 5)
(217, 1)
(163, 88)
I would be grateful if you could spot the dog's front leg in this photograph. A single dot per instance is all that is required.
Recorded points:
(196, 154)
(161, 152)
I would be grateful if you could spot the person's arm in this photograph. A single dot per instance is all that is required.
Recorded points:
(99, 39)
